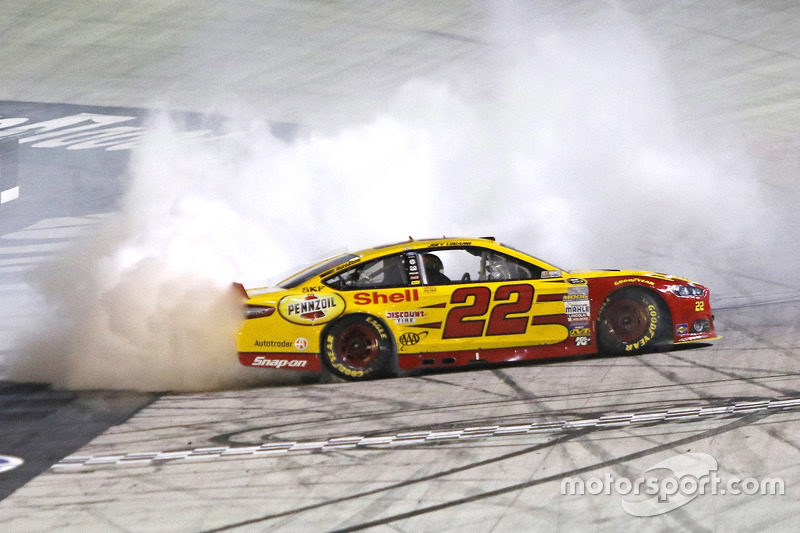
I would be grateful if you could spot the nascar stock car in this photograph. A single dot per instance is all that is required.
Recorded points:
(454, 302)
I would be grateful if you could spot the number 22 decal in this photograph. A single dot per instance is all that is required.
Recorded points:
(463, 321)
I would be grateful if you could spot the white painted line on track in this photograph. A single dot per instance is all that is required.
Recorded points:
(675, 414)
(9, 194)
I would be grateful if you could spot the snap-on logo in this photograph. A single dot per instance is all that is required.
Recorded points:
(278, 363)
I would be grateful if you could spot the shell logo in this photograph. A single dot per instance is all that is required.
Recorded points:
(311, 309)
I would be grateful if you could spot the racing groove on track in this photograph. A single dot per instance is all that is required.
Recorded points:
(506, 481)
(431, 436)
(497, 484)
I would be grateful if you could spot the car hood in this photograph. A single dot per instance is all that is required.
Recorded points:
(594, 274)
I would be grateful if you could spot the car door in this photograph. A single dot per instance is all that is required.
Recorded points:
(482, 299)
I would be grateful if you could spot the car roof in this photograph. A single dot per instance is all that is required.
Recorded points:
(415, 244)
(313, 271)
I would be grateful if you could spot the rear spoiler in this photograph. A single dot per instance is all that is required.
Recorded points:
(239, 289)
(249, 290)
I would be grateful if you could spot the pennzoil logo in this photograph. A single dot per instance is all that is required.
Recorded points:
(311, 309)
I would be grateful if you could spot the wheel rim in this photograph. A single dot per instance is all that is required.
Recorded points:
(358, 346)
(626, 320)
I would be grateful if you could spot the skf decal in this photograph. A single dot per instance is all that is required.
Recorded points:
(311, 309)
(375, 297)
(315, 288)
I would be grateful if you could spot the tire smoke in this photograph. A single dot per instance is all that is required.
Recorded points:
(572, 153)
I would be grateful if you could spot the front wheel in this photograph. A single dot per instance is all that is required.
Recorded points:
(358, 348)
(629, 321)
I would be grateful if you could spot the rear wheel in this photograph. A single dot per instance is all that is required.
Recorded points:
(358, 348)
(630, 321)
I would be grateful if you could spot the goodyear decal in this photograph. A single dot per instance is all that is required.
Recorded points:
(651, 330)
(634, 280)
(311, 309)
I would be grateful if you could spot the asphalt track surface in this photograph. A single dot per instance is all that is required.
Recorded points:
(485, 450)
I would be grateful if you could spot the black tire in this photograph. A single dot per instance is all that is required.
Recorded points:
(358, 348)
(631, 321)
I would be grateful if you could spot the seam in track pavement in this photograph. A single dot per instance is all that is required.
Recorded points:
(675, 414)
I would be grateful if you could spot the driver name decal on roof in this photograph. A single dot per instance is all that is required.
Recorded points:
(450, 243)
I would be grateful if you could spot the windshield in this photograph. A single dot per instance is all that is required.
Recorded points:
(553, 267)
(315, 270)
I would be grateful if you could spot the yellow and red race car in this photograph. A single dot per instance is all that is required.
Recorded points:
(454, 302)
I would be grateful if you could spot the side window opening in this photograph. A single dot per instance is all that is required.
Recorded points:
(474, 265)
(386, 272)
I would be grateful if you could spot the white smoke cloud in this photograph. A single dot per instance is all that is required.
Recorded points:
(572, 154)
